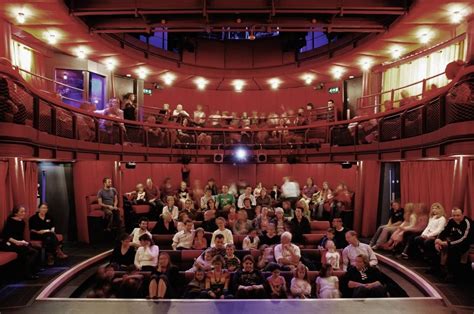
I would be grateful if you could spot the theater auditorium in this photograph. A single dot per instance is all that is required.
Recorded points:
(215, 156)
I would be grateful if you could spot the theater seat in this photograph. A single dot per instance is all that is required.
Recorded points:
(238, 239)
(151, 225)
(141, 209)
(311, 241)
(7, 257)
(163, 241)
(319, 226)
(95, 219)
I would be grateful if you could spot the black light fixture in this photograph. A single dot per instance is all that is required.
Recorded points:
(218, 158)
(346, 165)
(130, 165)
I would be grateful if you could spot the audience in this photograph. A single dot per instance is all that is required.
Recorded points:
(138, 232)
(123, 254)
(300, 287)
(217, 280)
(164, 225)
(249, 282)
(327, 285)
(277, 283)
(107, 198)
(232, 262)
(184, 239)
(221, 229)
(251, 241)
(354, 249)
(364, 280)
(199, 242)
(164, 279)
(384, 231)
(287, 254)
(339, 233)
(170, 208)
(299, 226)
(146, 257)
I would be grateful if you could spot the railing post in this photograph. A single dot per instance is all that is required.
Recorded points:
(402, 125)
(392, 96)
(97, 131)
(53, 121)
(423, 119)
(36, 112)
(356, 134)
(423, 88)
(442, 111)
(145, 137)
(121, 133)
(74, 126)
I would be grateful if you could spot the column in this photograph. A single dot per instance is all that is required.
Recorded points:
(5, 40)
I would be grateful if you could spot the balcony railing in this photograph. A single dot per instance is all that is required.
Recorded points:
(48, 114)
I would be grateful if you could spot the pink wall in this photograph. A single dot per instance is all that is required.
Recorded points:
(262, 101)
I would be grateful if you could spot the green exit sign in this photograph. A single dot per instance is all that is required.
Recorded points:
(333, 90)
(147, 91)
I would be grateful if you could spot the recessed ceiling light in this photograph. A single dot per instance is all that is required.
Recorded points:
(20, 17)
(238, 85)
(168, 78)
(142, 73)
(425, 36)
(51, 37)
(201, 83)
(365, 64)
(337, 72)
(308, 78)
(274, 83)
(351, 76)
(110, 64)
(396, 52)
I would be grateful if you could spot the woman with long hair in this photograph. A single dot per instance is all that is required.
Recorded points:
(409, 220)
(164, 278)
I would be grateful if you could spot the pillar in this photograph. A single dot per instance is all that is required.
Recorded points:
(5, 40)
(460, 180)
(469, 58)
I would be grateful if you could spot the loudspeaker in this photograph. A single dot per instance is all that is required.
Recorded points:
(261, 157)
(218, 158)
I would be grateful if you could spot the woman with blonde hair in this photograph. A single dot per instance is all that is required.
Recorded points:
(409, 220)
(436, 224)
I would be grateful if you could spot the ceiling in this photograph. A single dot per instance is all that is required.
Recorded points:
(384, 24)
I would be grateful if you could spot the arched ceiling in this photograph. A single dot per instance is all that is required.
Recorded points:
(381, 24)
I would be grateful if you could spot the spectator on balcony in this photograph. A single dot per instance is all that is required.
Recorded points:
(155, 136)
(164, 114)
(179, 112)
(387, 105)
(164, 225)
(85, 123)
(215, 119)
(171, 208)
(299, 226)
(364, 280)
(332, 114)
(463, 91)
(225, 199)
(108, 200)
(204, 140)
(406, 99)
(354, 249)
(247, 194)
(310, 112)
(243, 224)
(301, 117)
(384, 231)
(129, 107)
(199, 116)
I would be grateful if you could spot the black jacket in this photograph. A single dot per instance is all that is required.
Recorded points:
(459, 235)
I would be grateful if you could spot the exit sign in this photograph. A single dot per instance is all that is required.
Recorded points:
(147, 91)
(333, 90)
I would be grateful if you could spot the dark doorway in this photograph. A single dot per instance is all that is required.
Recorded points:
(352, 91)
(390, 189)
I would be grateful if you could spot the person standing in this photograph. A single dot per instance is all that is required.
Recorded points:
(108, 200)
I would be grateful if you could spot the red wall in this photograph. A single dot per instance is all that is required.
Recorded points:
(262, 101)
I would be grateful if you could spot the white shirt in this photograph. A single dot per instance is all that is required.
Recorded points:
(180, 112)
(147, 257)
(199, 117)
(248, 245)
(435, 226)
(300, 286)
(281, 252)
(350, 253)
(290, 189)
(183, 239)
(137, 233)
(174, 212)
(240, 201)
(333, 258)
(228, 237)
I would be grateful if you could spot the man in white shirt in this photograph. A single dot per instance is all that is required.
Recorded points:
(247, 194)
(221, 229)
(138, 232)
(287, 254)
(290, 191)
(356, 248)
(184, 238)
(179, 111)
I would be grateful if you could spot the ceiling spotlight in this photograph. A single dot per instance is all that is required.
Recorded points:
(110, 64)
(168, 78)
(81, 54)
(251, 36)
(274, 83)
(337, 73)
(308, 78)
(238, 85)
(366, 64)
(65, 76)
(456, 17)
(241, 154)
(128, 75)
(201, 83)
(142, 73)
(424, 36)
(20, 17)
(51, 37)
(396, 52)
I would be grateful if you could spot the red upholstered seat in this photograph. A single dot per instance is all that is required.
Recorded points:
(39, 244)
(238, 239)
(151, 225)
(163, 240)
(141, 209)
(93, 208)
(312, 240)
(189, 255)
(319, 226)
(7, 257)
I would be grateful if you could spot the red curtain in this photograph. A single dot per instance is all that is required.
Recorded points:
(469, 196)
(6, 199)
(367, 197)
(427, 182)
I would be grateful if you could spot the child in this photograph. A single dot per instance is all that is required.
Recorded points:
(217, 280)
(327, 285)
(251, 241)
(332, 256)
(329, 236)
(200, 242)
(232, 216)
(232, 263)
(277, 283)
(170, 208)
(266, 256)
(300, 287)
(203, 263)
(196, 287)
(221, 229)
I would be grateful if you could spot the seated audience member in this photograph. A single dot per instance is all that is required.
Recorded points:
(300, 287)
(181, 223)
(154, 200)
(257, 190)
(221, 229)
(199, 242)
(242, 225)
(184, 238)
(452, 244)
(42, 228)
(436, 224)
(308, 190)
(232, 216)
(171, 208)
(280, 220)
(13, 241)
(251, 241)
(354, 249)
(342, 200)
(277, 283)
(340, 233)
(266, 257)
(123, 254)
(332, 256)
(327, 285)
(211, 184)
(138, 232)
(232, 262)
(270, 237)
(329, 236)
(196, 288)
(103, 283)
(463, 91)
(164, 279)
(182, 194)
(130, 285)
(247, 194)
(199, 116)
(290, 190)
(166, 189)
(364, 280)
(409, 221)
(251, 211)
(179, 112)
(275, 193)
(217, 280)
(225, 199)
(322, 202)
(129, 107)
(384, 231)
(264, 199)
(108, 200)
(209, 223)
(193, 213)
(287, 254)
(164, 225)
(139, 195)
(406, 99)
(146, 257)
(212, 206)
(261, 222)
(249, 282)
(299, 226)
(205, 199)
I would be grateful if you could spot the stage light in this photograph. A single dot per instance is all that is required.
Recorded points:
(241, 154)
(396, 52)
(110, 64)
(308, 78)
(142, 73)
(238, 85)
(366, 64)
(20, 17)
(201, 83)
(337, 72)
(168, 78)
(274, 83)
